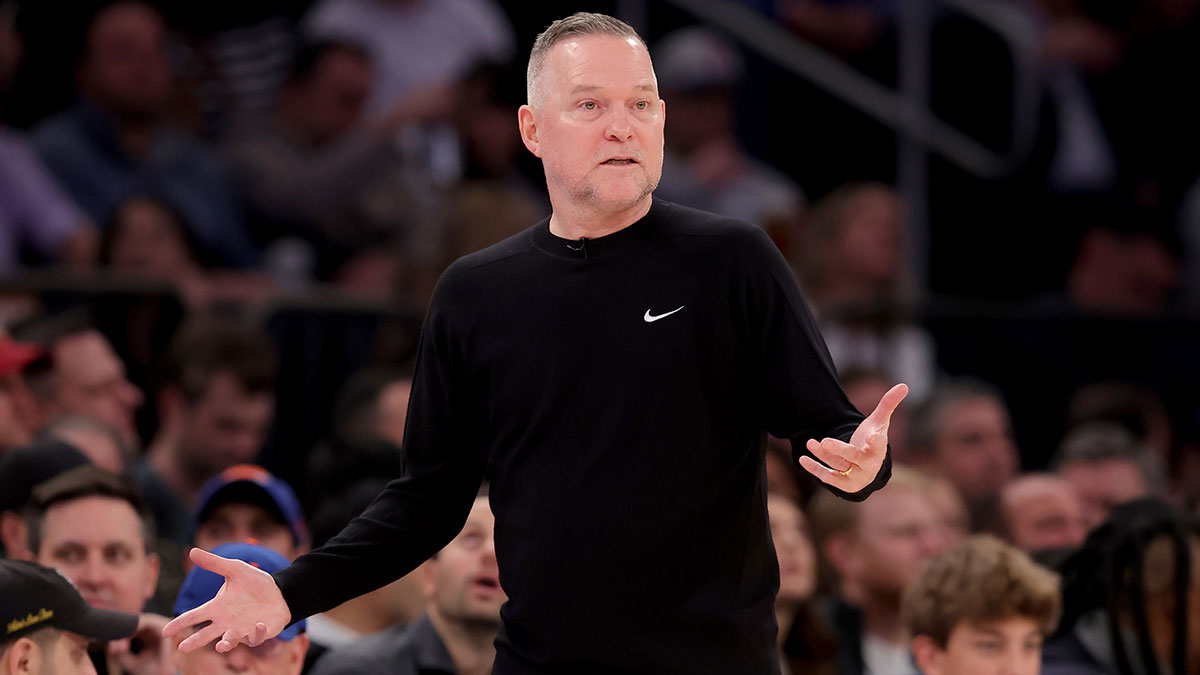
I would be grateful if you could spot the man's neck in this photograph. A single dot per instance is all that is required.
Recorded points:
(574, 222)
(163, 459)
(882, 620)
(471, 646)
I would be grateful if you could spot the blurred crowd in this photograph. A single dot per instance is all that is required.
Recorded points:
(172, 177)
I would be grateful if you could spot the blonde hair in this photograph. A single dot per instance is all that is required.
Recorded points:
(982, 579)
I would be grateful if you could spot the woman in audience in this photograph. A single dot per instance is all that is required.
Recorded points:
(805, 643)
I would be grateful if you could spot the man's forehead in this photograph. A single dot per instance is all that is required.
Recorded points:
(594, 55)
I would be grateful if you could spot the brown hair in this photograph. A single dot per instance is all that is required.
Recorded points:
(578, 24)
(982, 579)
(80, 482)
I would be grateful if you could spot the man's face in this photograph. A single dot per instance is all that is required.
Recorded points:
(225, 426)
(97, 543)
(898, 531)
(332, 97)
(238, 522)
(273, 657)
(392, 412)
(597, 124)
(975, 449)
(125, 67)
(1104, 484)
(1044, 516)
(463, 582)
(91, 382)
(1009, 647)
(66, 654)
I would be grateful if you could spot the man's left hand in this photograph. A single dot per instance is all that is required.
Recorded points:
(852, 466)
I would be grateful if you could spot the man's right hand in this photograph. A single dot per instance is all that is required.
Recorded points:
(249, 607)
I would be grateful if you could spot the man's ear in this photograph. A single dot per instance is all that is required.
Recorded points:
(928, 655)
(527, 123)
(153, 564)
(14, 534)
(297, 649)
(24, 657)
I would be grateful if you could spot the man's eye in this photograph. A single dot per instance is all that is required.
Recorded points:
(588, 105)
(642, 105)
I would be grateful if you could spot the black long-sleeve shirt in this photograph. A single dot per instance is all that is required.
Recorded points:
(616, 390)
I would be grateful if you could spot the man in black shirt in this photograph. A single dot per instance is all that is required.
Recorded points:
(614, 368)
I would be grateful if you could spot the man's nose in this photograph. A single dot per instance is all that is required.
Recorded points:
(617, 127)
(93, 572)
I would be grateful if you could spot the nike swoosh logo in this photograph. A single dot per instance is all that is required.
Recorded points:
(650, 318)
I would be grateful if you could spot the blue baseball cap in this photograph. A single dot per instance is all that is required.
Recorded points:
(251, 484)
(200, 585)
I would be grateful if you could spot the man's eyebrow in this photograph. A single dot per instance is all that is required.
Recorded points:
(595, 87)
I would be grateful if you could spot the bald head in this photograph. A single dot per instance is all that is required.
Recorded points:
(1042, 511)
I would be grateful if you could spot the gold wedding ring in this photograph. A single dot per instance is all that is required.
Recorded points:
(847, 471)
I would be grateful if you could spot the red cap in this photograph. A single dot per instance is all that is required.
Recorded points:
(14, 356)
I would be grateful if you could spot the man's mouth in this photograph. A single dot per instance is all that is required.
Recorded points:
(619, 161)
(487, 583)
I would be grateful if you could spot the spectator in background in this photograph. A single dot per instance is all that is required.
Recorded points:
(877, 548)
(1107, 466)
(85, 378)
(117, 142)
(18, 410)
(1142, 413)
(22, 470)
(462, 619)
(949, 503)
(1123, 265)
(34, 212)
(373, 405)
(420, 47)
(48, 624)
(148, 237)
(964, 432)
(705, 166)
(982, 608)
(216, 403)
(1041, 512)
(1131, 597)
(316, 171)
(852, 266)
(94, 528)
(806, 644)
(246, 503)
(281, 655)
(103, 445)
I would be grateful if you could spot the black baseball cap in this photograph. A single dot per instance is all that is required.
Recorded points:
(37, 597)
(23, 469)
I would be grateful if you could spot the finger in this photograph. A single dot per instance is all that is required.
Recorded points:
(200, 638)
(837, 454)
(823, 473)
(188, 619)
(888, 404)
(259, 635)
(213, 562)
(228, 641)
(117, 647)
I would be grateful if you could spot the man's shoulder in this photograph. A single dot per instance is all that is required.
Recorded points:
(687, 221)
(494, 259)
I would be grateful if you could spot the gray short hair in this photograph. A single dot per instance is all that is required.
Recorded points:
(1104, 441)
(579, 23)
(926, 424)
